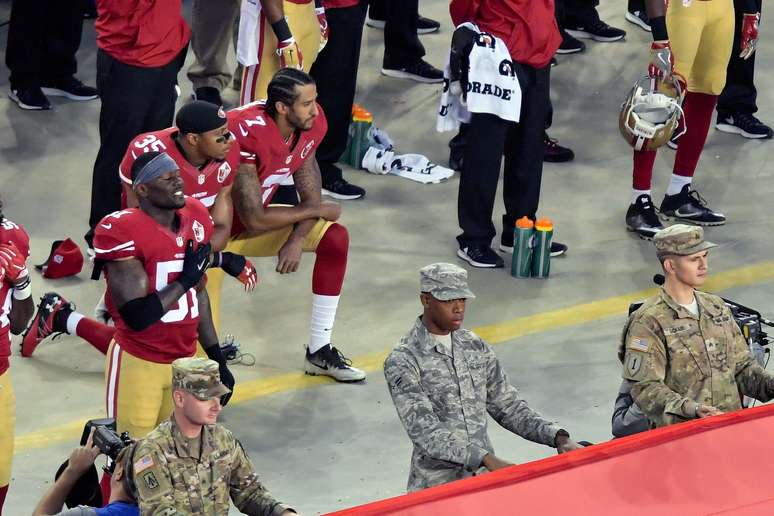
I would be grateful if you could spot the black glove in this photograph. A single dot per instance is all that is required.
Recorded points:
(226, 378)
(462, 43)
(194, 264)
(232, 264)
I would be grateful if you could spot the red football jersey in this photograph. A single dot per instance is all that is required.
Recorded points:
(202, 183)
(261, 144)
(133, 234)
(10, 232)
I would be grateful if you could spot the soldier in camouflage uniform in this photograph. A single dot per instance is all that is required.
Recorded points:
(682, 349)
(444, 380)
(190, 465)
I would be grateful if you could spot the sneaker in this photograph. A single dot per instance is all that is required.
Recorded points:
(554, 62)
(421, 71)
(341, 189)
(426, 25)
(569, 44)
(555, 153)
(639, 18)
(30, 99)
(376, 24)
(744, 124)
(328, 361)
(72, 89)
(481, 256)
(688, 206)
(641, 218)
(557, 249)
(208, 94)
(50, 319)
(598, 31)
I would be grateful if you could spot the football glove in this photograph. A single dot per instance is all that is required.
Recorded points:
(748, 41)
(325, 31)
(13, 263)
(662, 62)
(194, 264)
(239, 267)
(215, 353)
(289, 54)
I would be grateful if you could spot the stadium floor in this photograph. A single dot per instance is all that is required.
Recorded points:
(321, 446)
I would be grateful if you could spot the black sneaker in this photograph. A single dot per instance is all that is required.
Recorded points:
(688, 206)
(596, 30)
(641, 217)
(481, 256)
(208, 94)
(558, 249)
(421, 71)
(569, 44)
(328, 361)
(640, 18)
(30, 98)
(426, 25)
(72, 89)
(555, 153)
(744, 124)
(341, 189)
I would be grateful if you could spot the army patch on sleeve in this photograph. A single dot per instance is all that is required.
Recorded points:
(144, 463)
(149, 479)
(639, 344)
(633, 364)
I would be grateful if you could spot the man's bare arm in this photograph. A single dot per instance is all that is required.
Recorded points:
(273, 10)
(128, 281)
(222, 214)
(248, 203)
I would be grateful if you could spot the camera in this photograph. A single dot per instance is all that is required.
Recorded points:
(105, 437)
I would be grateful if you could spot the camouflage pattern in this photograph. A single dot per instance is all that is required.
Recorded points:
(443, 398)
(678, 361)
(199, 376)
(445, 281)
(179, 476)
(682, 240)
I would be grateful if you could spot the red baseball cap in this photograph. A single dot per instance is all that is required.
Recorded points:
(64, 260)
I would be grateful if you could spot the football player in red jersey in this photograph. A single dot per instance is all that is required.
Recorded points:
(203, 148)
(154, 257)
(278, 139)
(16, 308)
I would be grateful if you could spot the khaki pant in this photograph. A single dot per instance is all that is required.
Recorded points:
(214, 25)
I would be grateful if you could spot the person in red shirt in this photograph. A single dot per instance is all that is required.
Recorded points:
(155, 257)
(15, 311)
(205, 150)
(141, 47)
(278, 139)
(530, 33)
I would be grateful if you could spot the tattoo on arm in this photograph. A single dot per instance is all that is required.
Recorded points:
(246, 193)
(308, 181)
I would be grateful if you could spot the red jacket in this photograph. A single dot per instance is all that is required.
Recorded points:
(528, 27)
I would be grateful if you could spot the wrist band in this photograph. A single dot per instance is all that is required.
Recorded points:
(659, 29)
(281, 29)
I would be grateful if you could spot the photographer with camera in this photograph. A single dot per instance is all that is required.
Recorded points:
(192, 465)
(682, 350)
(122, 500)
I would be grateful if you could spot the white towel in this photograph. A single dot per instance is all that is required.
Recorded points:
(247, 41)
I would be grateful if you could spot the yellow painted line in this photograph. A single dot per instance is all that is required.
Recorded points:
(494, 334)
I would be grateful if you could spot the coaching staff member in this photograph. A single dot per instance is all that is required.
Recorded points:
(530, 32)
(141, 47)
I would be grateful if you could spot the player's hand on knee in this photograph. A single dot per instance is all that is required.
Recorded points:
(289, 256)
(330, 211)
(748, 41)
(237, 266)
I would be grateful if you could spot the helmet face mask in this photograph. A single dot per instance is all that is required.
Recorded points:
(651, 113)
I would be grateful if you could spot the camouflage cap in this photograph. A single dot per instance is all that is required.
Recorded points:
(682, 240)
(445, 281)
(199, 376)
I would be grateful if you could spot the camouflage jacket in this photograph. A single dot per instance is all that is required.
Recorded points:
(443, 400)
(174, 479)
(678, 361)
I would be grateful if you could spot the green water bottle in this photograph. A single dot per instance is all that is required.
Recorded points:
(362, 121)
(523, 240)
(541, 254)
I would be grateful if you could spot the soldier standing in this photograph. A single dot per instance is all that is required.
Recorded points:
(682, 349)
(190, 464)
(444, 380)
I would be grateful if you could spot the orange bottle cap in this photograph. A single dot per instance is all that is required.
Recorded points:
(525, 223)
(544, 225)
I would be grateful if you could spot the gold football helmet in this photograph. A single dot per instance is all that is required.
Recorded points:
(651, 112)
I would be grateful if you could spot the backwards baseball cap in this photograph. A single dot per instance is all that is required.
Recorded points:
(199, 117)
(199, 376)
(64, 260)
(681, 240)
(445, 281)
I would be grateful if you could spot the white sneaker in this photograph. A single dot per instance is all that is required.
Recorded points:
(328, 361)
